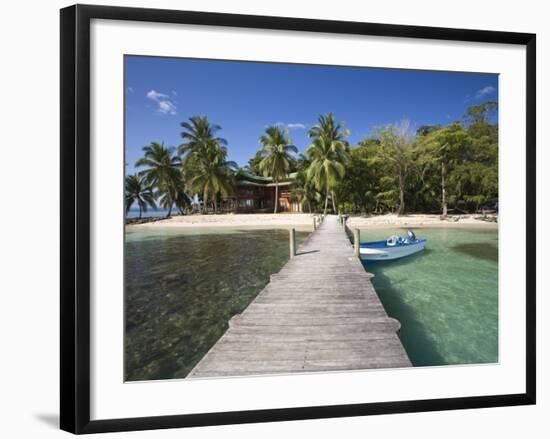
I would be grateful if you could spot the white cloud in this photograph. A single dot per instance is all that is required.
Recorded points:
(155, 95)
(300, 126)
(485, 91)
(130, 90)
(166, 107)
(165, 104)
(291, 126)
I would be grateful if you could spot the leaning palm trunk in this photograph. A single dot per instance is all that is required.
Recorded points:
(276, 196)
(326, 204)
(333, 201)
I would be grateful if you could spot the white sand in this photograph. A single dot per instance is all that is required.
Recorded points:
(305, 220)
(418, 220)
(263, 220)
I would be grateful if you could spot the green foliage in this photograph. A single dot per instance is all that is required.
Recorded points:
(253, 165)
(276, 153)
(358, 190)
(436, 169)
(397, 153)
(205, 165)
(276, 156)
(328, 153)
(162, 171)
(137, 191)
(444, 149)
(480, 114)
(433, 169)
(424, 130)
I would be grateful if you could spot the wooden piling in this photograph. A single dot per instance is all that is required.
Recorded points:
(314, 223)
(292, 242)
(356, 242)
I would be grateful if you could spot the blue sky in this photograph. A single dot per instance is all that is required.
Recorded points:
(245, 97)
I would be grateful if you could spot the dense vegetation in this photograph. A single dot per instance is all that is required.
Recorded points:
(435, 169)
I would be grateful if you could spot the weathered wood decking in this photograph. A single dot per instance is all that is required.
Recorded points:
(319, 313)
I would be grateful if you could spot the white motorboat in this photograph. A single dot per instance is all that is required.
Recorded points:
(395, 247)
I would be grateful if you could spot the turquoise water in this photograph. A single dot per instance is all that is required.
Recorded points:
(182, 287)
(446, 297)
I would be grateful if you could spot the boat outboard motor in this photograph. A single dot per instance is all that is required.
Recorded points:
(411, 235)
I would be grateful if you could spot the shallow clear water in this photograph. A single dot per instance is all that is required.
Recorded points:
(446, 297)
(182, 287)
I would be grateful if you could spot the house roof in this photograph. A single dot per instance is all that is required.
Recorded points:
(248, 179)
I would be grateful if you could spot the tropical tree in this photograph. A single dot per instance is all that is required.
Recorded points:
(210, 174)
(397, 151)
(253, 165)
(276, 151)
(328, 153)
(444, 147)
(182, 201)
(359, 190)
(199, 135)
(205, 160)
(138, 192)
(480, 114)
(476, 177)
(306, 195)
(162, 171)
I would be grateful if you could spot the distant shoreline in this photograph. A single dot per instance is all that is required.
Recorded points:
(305, 221)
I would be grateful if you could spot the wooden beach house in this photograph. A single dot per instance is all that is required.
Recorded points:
(254, 193)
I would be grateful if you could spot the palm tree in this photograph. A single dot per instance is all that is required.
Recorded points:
(182, 201)
(199, 135)
(276, 152)
(305, 195)
(210, 173)
(205, 159)
(136, 191)
(328, 152)
(162, 172)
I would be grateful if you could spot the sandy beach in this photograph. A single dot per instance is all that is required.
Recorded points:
(305, 220)
(261, 220)
(418, 220)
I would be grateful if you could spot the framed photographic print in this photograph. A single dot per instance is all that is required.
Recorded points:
(268, 218)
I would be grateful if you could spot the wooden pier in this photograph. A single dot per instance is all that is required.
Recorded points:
(319, 313)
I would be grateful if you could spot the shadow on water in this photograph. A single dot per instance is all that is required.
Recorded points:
(416, 340)
(480, 250)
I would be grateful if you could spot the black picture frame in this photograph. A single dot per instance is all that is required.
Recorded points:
(75, 217)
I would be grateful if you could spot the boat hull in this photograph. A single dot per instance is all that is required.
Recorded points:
(378, 251)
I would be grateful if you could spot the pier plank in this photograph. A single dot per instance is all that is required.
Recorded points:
(319, 313)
